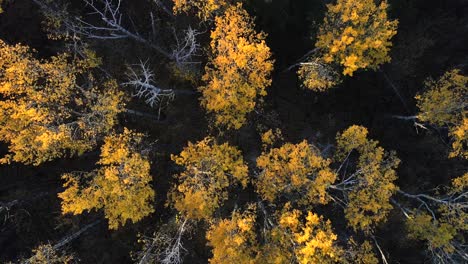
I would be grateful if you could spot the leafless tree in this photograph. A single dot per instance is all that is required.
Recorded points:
(165, 245)
(174, 253)
(142, 81)
(112, 26)
(186, 47)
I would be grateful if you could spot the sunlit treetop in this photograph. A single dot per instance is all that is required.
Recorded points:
(120, 186)
(209, 169)
(205, 9)
(307, 238)
(356, 34)
(234, 240)
(444, 103)
(370, 187)
(238, 71)
(444, 100)
(291, 237)
(52, 108)
(294, 171)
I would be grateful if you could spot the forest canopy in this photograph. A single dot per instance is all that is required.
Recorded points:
(233, 131)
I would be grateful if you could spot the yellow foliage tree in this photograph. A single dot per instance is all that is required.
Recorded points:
(306, 238)
(121, 186)
(46, 254)
(317, 75)
(444, 104)
(370, 187)
(356, 34)
(441, 221)
(437, 234)
(209, 169)
(205, 9)
(52, 108)
(238, 71)
(293, 237)
(234, 240)
(294, 170)
(271, 137)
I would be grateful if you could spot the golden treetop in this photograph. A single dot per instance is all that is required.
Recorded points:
(444, 101)
(209, 170)
(372, 185)
(121, 186)
(444, 104)
(294, 170)
(308, 237)
(356, 34)
(53, 107)
(238, 71)
(234, 240)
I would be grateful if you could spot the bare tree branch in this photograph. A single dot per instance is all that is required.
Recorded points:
(142, 80)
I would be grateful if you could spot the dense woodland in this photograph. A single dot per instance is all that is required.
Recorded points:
(229, 131)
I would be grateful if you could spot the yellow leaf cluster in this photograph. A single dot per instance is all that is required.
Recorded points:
(56, 22)
(309, 240)
(460, 184)
(234, 240)
(374, 184)
(45, 110)
(442, 227)
(209, 170)
(421, 226)
(460, 139)
(238, 71)
(356, 34)
(294, 170)
(444, 103)
(46, 254)
(121, 186)
(317, 75)
(455, 213)
(205, 9)
(270, 137)
(293, 237)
